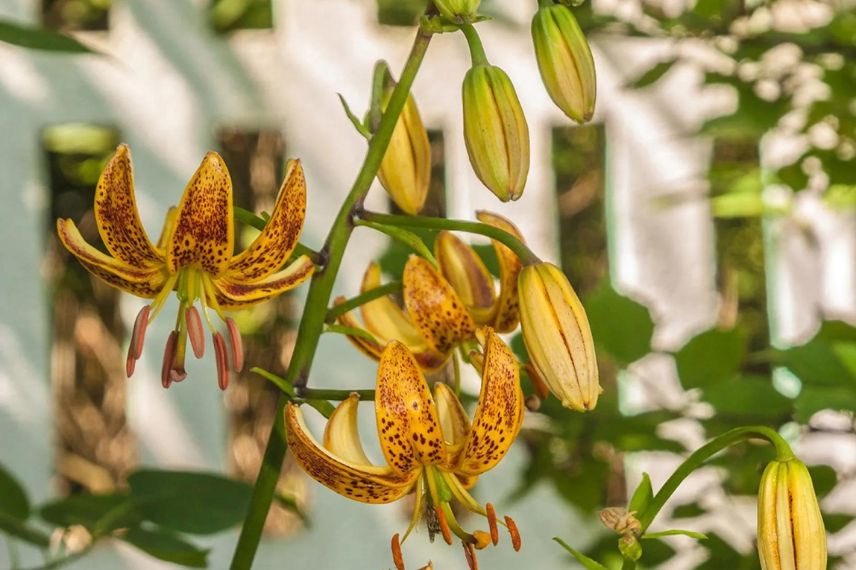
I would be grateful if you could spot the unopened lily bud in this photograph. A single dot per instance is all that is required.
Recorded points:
(495, 131)
(791, 535)
(565, 61)
(558, 337)
(405, 171)
(457, 9)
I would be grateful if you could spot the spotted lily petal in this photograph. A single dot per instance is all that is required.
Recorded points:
(204, 231)
(506, 312)
(117, 217)
(342, 435)
(434, 307)
(500, 409)
(453, 420)
(279, 237)
(407, 421)
(234, 294)
(467, 275)
(141, 282)
(364, 483)
(383, 318)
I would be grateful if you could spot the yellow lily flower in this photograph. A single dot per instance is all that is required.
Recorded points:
(469, 277)
(194, 257)
(433, 321)
(429, 446)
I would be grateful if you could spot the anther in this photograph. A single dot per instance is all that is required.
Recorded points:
(470, 553)
(195, 331)
(533, 403)
(138, 335)
(444, 524)
(222, 363)
(491, 521)
(515, 534)
(168, 356)
(397, 558)
(236, 345)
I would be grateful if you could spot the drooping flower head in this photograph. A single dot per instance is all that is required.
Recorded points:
(428, 443)
(193, 257)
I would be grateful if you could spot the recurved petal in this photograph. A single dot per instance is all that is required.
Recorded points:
(342, 435)
(453, 420)
(277, 240)
(141, 282)
(383, 317)
(407, 421)
(434, 307)
(467, 274)
(117, 216)
(204, 230)
(507, 310)
(234, 294)
(500, 409)
(364, 483)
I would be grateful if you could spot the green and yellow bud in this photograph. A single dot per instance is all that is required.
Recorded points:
(405, 171)
(456, 9)
(495, 131)
(565, 61)
(558, 337)
(791, 535)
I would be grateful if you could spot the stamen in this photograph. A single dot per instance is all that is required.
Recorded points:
(222, 363)
(418, 506)
(138, 335)
(168, 355)
(512, 530)
(491, 521)
(470, 553)
(236, 345)
(194, 331)
(444, 524)
(461, 494)
(397, 557)
(177, 371)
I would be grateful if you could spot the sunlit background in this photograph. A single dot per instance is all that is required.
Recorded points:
(706, 217)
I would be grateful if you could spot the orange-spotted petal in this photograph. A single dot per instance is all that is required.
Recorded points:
(204, 232)
(383, 318)
(467, 274)
(277, 240)
(141, 282)
(117, 216)
(434, 307)
(234, 294)
(364, 483)
(407, 421)
(499, 412)
(507, 311)
(342, 434)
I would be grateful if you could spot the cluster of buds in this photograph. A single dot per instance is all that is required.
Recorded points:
(457, 10)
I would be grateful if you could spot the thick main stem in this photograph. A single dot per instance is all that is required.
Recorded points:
(315, 310)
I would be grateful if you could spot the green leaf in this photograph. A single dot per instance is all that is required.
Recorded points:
(652, 75)
(824, 478)
(621, 327)
(675, 532)
(101, 513)
(688, 511)
(13, 497)
(165, 545)
(588, 563)
(711, 357)
(191, 502)
(642, 495)
(825, 360)
(39, 38)
(833, 522)
(406, 237)
(813, 399)
(750, 396)
(355, 121)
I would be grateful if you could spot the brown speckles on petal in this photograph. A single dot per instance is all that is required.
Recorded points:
(232, 294)
(204, 229)
(507, 312)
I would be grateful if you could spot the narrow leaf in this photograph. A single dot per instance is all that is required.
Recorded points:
(588, 563)
(39, 38)
(13, 497)
(676, 532)
(167, 546)
(652, 75)
(361, 128)
(642, 495)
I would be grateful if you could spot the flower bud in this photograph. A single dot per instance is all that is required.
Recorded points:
(558, 337)
(565, 61)
(455, 9)
(791, 535)
(495, 131)
(405, 171)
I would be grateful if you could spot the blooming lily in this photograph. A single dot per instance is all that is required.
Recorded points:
(429, 446)
(466, 272)
(433, 321)
(194, 257)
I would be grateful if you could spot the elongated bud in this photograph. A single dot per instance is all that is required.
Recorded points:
(791, 535)
(557, 335)
(457, 9)
(405, 171)
(495, 131)
(565, 61)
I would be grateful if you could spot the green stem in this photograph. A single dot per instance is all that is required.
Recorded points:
(545, 3)
(510, 241)
(477, 53)
(315, 310)
(14, 527)
(337, 311)
(335, 395)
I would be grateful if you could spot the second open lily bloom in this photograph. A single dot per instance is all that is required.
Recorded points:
(193, 257)
(429, 445)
